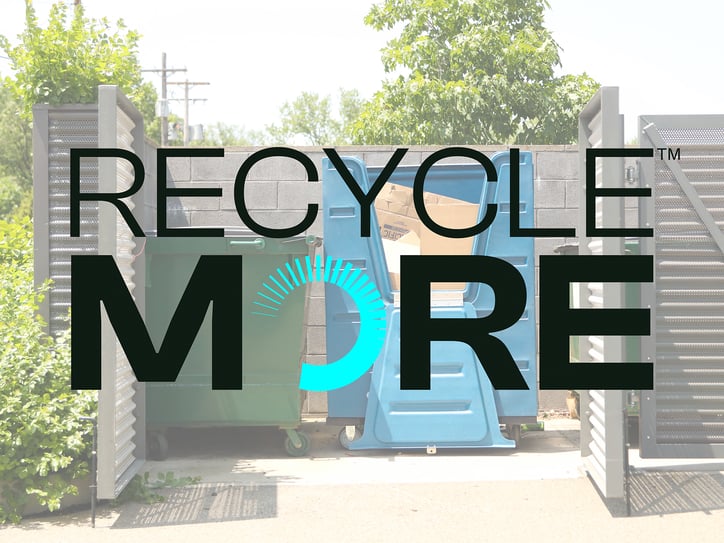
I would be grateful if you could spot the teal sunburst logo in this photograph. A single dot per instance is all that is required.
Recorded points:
(364, 293)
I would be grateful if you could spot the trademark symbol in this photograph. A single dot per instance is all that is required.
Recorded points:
(673, 154)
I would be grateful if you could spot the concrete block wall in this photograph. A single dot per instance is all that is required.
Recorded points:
(277, 193)
(556, 206)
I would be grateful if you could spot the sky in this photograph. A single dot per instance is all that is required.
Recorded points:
(665, 58)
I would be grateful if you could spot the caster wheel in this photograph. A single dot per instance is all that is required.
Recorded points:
(157, 447)
(345, 438)
(303, 448)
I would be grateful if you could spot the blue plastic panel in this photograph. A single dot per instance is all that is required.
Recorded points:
(342, 240)
(457, 411)
(461, 409)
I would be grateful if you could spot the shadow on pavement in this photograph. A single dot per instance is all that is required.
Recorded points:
(212, 502)
(235, 487)
(667, 492)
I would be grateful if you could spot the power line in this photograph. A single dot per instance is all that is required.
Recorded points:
(164, 102)
(187, 85)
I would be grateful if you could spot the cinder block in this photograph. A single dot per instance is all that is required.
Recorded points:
(317, 228)
(317, 289)
(178, 169)
(546, 246)
(257, 195)
(316, 403)
(176, 218)
(315, 359)
(316, 340)
(277, 169)
(556, 218)
(487, 150)
(227, 196)
(557, 165)
(315, 316)
(549, 193)
(461, 159)
(632, 202)
(316, 157)
(298, 194)
(193, 203)
(277, 218)
(215, 218)
(379, 158)
(199, 204)
(573, 193)
(632, 218)
(217, 168)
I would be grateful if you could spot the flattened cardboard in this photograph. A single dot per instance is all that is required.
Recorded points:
(398, 218)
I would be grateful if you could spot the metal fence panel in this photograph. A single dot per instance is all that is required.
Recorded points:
(600, 125)
(113, 122)
(56, 130)
(684, 415)
(120, 426)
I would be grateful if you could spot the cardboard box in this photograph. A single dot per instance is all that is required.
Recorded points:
(408, 244)
(402, 232)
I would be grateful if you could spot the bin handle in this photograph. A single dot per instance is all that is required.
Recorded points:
(258, 242)
(309, 240)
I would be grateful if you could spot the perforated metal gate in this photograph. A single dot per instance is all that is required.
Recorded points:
(601, 126)
(684, 415)
(55, 131)
(113, 122)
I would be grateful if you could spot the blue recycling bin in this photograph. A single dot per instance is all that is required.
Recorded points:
(461, 409)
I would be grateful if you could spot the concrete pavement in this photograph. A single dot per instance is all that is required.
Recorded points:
(251, 491)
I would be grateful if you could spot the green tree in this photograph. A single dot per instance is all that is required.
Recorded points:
(310, 116)
(15, 202)
(16, 168)
(62, 63)
(65, 62)
(15, 141)
(226, 135)
(470, 72)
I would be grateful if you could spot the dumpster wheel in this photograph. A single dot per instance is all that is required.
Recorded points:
(344, 435)
(296, 443)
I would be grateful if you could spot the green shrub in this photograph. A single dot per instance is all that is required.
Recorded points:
(44, 444)
(15, 202)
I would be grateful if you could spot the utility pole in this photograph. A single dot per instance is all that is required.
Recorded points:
(163, 113)
(187, 85)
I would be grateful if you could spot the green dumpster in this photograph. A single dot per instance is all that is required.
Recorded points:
(272, 348)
